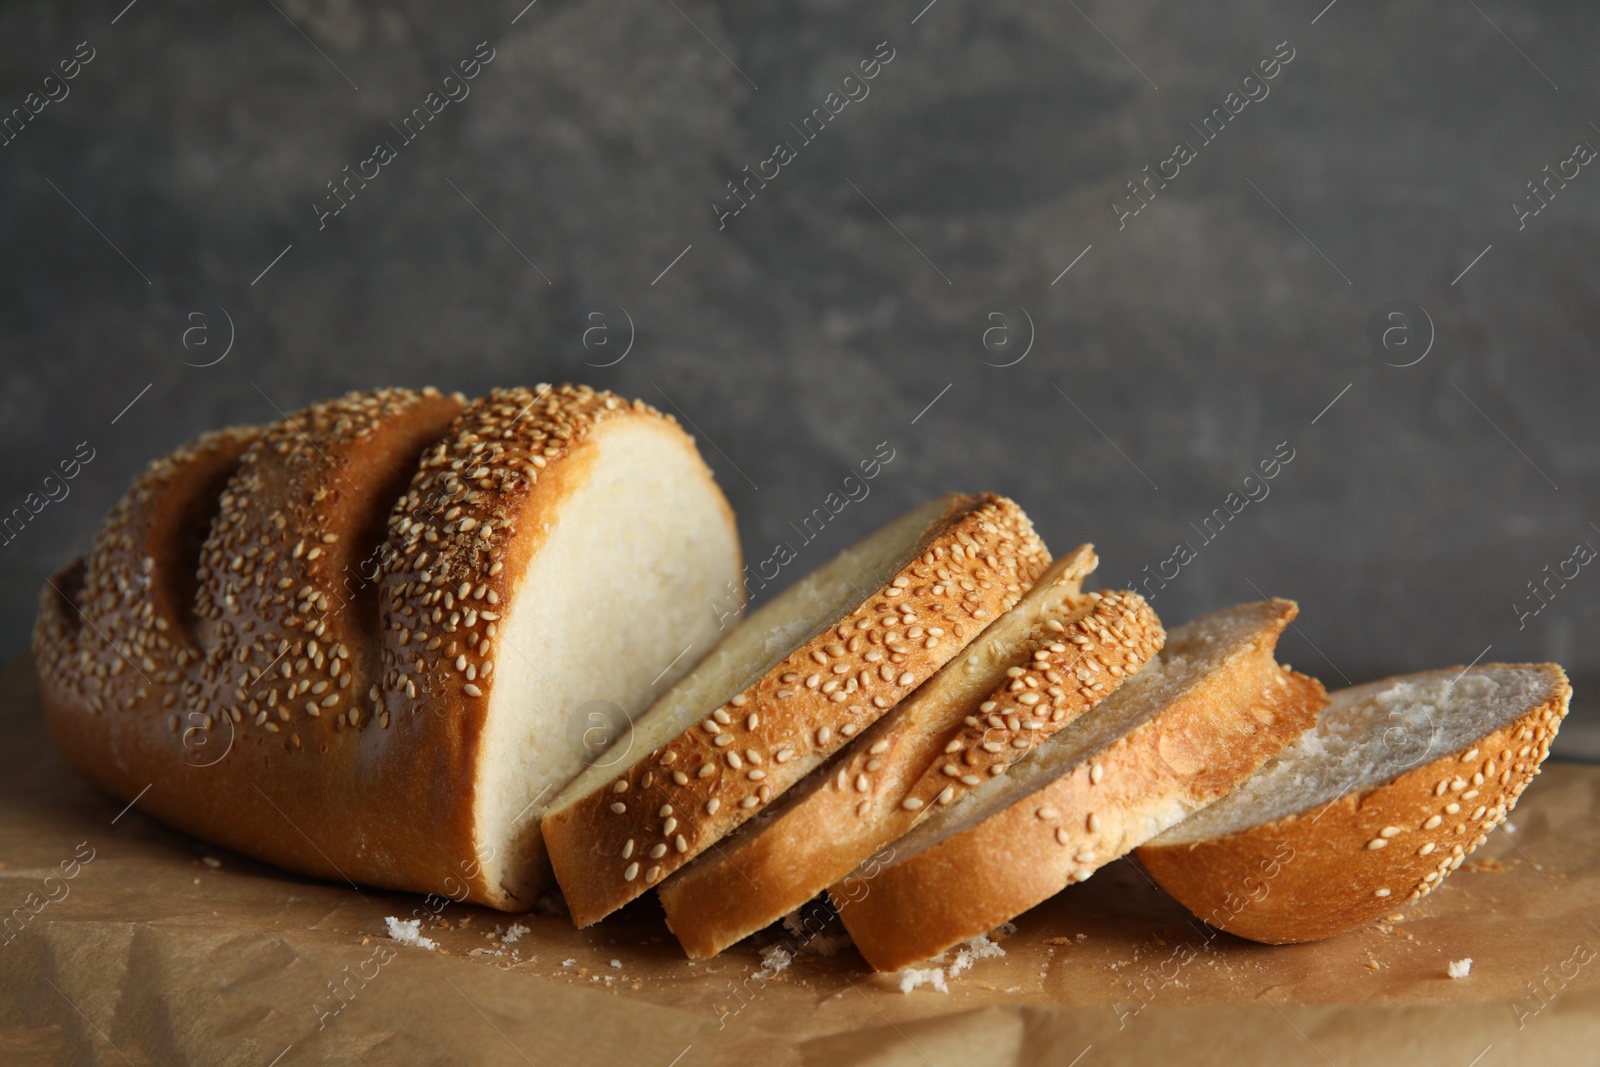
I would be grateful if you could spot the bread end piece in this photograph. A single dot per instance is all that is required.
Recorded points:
(1342, 863)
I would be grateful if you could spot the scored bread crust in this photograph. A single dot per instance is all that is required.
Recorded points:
(1317, 873)
(1195, 749)
(901, 767)
(268, 710)
(625, 837)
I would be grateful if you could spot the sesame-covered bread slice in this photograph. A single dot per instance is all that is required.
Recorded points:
(1198, 719)
(1395, 785)
(1039, 666)
(284, 641)
(784, 691)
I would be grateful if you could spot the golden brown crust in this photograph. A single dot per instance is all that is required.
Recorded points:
(912, 759)
(115, 633)
(278, 710)
(1195, 749)
(626, 837)
(1324, 871)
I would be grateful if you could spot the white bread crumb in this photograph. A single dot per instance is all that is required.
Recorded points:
(979, 948)
(1461, 968)
(408, 932)
(912, 977)
(774, 959)
(513, 932)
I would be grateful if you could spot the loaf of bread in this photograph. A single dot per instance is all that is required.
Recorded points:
(789, 687)
(1395, 785)
(351, 643)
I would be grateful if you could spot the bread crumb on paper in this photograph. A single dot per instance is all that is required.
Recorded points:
(568, 963)
(774, 960)
(513, 932)
(408, 932)
(979, 948)
(617, 964)
(1460, 968)
(912, 977)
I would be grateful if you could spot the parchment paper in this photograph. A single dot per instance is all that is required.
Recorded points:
(130, 943)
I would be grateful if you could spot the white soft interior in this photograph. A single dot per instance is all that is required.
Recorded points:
(1192, 652)
(1369, 734)
(628, 574)
(810, 606)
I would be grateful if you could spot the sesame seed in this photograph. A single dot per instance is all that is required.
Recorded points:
(658, 851)
(911, 803)
(1377, 843)
(472, 690)
(618, 808)
(630, 872)
(627, 849)
(1389, 831)
(712, 805)
(1096, 773)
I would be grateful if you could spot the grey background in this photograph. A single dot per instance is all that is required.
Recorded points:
(855, 291)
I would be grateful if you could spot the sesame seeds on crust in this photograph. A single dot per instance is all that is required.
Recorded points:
(455, 538)
(1067, 672)
(116, 629)
(973, 566)
(287, 594)
(1429, 820)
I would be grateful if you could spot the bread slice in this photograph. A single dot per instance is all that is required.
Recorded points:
(1198, 719)
(351, 643)
(784, 691)
(1395, 785)
(1029, 674)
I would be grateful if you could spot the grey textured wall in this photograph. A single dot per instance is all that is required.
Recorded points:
(873, 289)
